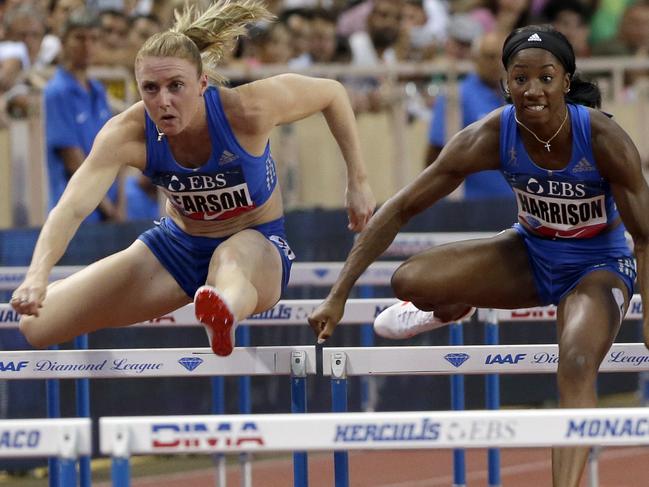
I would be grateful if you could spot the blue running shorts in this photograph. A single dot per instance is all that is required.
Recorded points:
(559, 264)
(187, 257)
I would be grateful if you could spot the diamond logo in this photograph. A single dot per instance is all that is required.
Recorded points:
(190, 363)
(534, 38)
(456, 359)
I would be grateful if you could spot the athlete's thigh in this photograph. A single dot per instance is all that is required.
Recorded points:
(490, 272)
(125, 288)
(589, 316)
(259, 261)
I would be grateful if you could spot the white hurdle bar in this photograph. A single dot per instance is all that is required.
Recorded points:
(470, 359)
(35, 438)
(285, 312)
(121, 437)
(125, 436)
(357, 311)
(161, 362)
(63, 439)
(304, 273)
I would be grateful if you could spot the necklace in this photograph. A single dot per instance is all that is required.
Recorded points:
(546, 143)
(162, 134)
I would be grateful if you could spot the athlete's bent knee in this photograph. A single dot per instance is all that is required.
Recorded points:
(406, 283)
(402, 283)
(577, 366)
(30, 328)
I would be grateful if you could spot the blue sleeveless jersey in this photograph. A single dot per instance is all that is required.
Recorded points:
(571, 203)
(230, 183)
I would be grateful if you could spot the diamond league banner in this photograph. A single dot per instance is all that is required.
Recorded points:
(162, 362)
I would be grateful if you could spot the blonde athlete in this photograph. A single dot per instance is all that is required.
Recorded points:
(223, 241)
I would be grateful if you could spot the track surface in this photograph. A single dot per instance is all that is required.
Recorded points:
(618, 467)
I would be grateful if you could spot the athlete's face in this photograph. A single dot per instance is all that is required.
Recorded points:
(171, 91)
(538, 83)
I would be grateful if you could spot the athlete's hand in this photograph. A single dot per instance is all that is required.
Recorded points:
(29, 297)
(360, 203)
(645, 329)
(325, 317)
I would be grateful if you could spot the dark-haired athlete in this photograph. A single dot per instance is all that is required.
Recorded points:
(576, 176)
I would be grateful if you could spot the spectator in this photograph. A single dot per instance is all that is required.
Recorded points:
(14, 55)
(354, 18)
(269, 44)
(572, 19)
(26, 24)
(324, 40)
(375, 46)
(503, 15)
(76, 108)
(59, 11)
(633, 34)
(632, 40)
(462, 31)
(113, 49)
(25, 28)
(298, 26)
(417, 41)
(606, 20)
(376, 43)
(437, 17)
(141, 28)
(479, 93)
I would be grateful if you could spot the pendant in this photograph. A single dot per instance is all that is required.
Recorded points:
(547, 146)
(160, 134)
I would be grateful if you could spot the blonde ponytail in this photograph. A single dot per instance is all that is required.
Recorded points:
(202, 37)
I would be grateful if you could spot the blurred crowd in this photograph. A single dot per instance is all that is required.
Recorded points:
(310, 33)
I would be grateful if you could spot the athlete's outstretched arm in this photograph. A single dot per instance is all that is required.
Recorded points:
(619, 162)
(290, 97)
(85, 190)
(473, 149)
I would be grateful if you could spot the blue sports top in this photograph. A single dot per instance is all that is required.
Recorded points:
(230, 183)
(573, 202)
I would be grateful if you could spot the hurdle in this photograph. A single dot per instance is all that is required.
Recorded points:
(357, 312)
(296, 361)
(66, 439)
(340, 363)
(123, 437)
(286, 312)
(315, 274)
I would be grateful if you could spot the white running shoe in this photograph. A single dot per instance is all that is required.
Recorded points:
(404, 320)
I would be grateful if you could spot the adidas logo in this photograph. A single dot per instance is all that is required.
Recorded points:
(534, 38)
(226, 157)
(583, 166)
